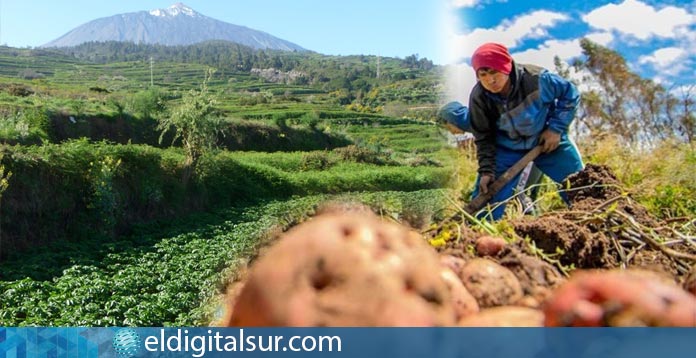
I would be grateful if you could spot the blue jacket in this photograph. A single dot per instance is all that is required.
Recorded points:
(538, 100)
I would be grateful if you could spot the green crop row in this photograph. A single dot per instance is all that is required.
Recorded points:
(152, 279)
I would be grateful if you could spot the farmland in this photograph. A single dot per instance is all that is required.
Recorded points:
(104, 223)
(118, 210)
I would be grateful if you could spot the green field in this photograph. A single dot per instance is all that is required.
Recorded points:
(103, 224)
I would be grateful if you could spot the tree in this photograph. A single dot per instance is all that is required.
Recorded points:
(619, 101)
(195, 122)
(683, 112)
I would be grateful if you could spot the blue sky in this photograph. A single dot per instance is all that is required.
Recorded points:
(373, 27)
(657, 38)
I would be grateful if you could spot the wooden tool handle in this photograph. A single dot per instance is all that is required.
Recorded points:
(481, 200)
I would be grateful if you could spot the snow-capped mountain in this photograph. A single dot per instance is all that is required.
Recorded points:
(176, 25)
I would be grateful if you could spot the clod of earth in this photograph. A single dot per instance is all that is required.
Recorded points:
(572, 243)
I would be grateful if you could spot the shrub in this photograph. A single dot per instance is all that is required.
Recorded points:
(360, 154)
(666, 187)
(38, 120)
(29, 126)
(19, 90)
(147, 104)
(420, 161)
(195, 122)
(316, 161)
(30, 74)
(104, 201)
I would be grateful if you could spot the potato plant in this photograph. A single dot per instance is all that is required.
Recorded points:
(159, 276)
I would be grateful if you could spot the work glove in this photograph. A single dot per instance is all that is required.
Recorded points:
(484, 182)
(549, 140)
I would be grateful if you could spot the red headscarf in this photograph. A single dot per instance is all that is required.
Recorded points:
(492, 55)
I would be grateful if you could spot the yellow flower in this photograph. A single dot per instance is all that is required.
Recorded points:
(445, 235)
(437, 242)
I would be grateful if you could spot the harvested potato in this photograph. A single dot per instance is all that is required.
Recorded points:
(690, 281)
(345, 269)
(490, 283)
(536, 276)
(489, 245)
(619, 298)
(535, 299)
(453, 262)
(505, 316)
(234, 289)
(463, 302)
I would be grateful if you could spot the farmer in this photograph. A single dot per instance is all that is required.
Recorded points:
(513, 108)
(456, 115)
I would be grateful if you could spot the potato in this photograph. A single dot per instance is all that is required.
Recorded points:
(490, 283)
(463, 302)
(619, 298)
(232, 292)
(535, 299)
(690, 281)
(453, 262)
(489, 245)
(346, 269)
(505, 316)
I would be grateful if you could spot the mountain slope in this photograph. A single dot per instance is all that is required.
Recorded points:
(176, 25)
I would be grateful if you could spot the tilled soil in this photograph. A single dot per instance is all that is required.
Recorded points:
(581, 257)
(602, 229)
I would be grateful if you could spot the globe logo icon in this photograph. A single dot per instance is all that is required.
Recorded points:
(126, 342)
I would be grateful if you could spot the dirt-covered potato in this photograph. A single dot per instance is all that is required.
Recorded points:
(619, 298)
(690, 281)
(453, 262)
(505, 316)
(490, 283)
(346, 269)
(537, 277)
(489, 245)
(234, 288)
(463, 302)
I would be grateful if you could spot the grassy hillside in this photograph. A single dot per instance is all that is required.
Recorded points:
(96, 201)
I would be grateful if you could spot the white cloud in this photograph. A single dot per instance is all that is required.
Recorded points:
(510, 32)
(471, 3)
(640, 20)
(544, 55)
(663, 57)
(668, 61)
(533, 25)
(601, 38)
(464, 3)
